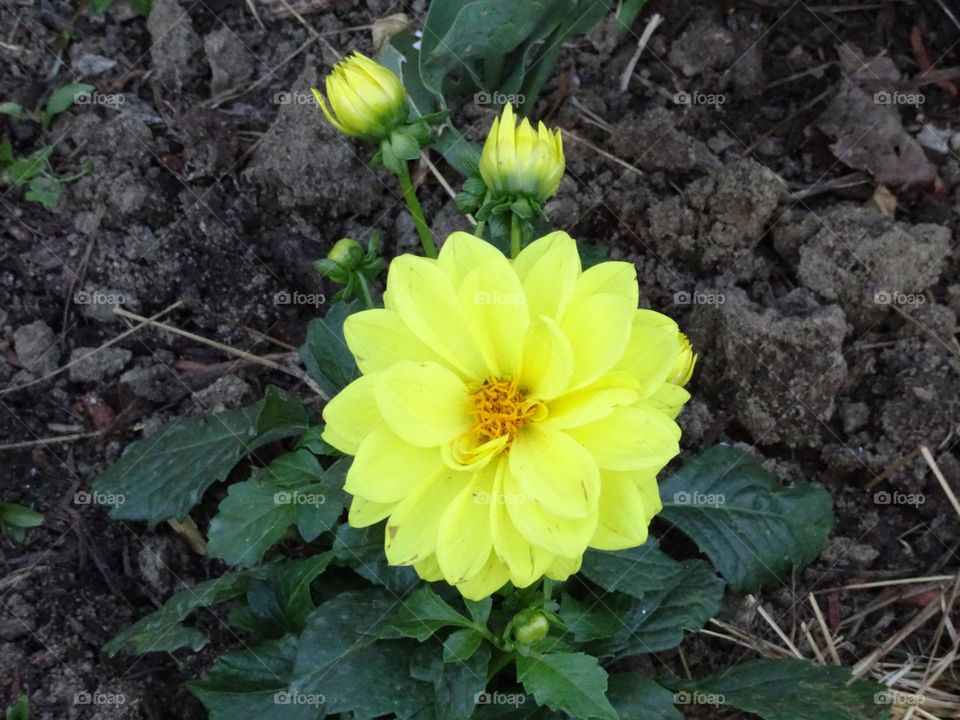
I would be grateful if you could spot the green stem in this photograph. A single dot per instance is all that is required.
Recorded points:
(410, 197)
(499, 664)
(514, 235)
(478, 229)
(547, 589)
(365, 291)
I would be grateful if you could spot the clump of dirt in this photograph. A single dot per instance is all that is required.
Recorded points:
(778, 366)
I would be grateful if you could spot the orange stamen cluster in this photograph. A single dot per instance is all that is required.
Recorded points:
(500, 409)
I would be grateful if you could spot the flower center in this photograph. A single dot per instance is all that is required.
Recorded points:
(499, 408)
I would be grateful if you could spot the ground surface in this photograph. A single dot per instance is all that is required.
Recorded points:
(756, 205)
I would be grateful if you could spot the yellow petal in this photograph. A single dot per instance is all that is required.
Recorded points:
(506, 145)
(555, 472)
(623, 513)
(379, 338)
(548, 268)
(562, 568)
(461, 253)
(669, 399)
(496, 310)
(547, 365)
(411, 531)
(364, 513)
(488, 157)
(561, 536)
(429, 569)
(630, 438)
(429, 305)
(326, 111)
(491, 577)
(465, 541)
(652, 350)
(646, 482)
(526, 563)
(351, 415)
(423, 403)
(614, 277)
(598, 330)
(593, 402)
(387, 469)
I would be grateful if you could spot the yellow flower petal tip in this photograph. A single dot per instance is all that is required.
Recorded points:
(366, 100)
(510, 414)
(518, 161)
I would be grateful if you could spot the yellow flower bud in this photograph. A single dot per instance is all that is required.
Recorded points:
(686, 360)
(366, 99)
(530, 627)
(521, 161)
(347, 253)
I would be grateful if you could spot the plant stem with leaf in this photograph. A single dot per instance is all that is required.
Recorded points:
(514, 235)
(419, 220)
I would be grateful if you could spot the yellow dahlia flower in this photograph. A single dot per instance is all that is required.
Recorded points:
(510, 414)
(520, 161)
(368, 100)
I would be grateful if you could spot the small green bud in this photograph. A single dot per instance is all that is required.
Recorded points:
(529, 626)
(347, 253)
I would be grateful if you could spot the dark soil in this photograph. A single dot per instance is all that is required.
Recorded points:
(826, 328)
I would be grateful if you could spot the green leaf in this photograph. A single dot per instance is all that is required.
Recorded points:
(325, 353)
(281, 601)
(100, 6)
(787, 690)
(321, 515)
(12, 515)
(25, 169)
(401, 57)
(313, 441)
(573, 683)
(163, 476)
(252, 518)
(362, 550)
(479, 610)
(6, 154)
(339, 658)
(163, 631)
(753, 529)
(423, 613)
(253, 683)
(12, 109)
(460, 685)
(142, 6)
(661, 599)
(20, 710)
(637, 697)
(461, 645)
(45, 190)
(62, 98)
